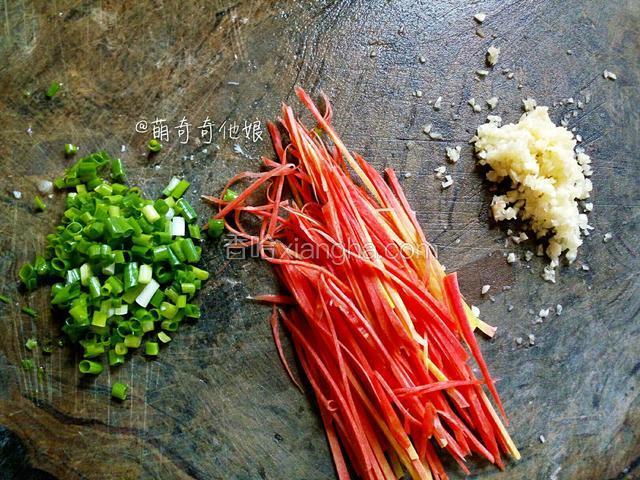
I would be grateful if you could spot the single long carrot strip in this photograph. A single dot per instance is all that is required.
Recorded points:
(276, 338)
(453, 291)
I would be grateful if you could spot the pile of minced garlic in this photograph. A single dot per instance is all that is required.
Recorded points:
(547, 175)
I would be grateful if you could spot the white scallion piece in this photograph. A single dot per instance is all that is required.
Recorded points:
(170, 213)
(177, 226)
(121, 310)
(109, 269)
(149, 291)
(172, 184)
(85, 274)
(145, 273)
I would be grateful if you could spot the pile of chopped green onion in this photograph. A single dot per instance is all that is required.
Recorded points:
(121, 265)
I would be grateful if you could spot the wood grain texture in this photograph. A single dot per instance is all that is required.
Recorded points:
(216, 404)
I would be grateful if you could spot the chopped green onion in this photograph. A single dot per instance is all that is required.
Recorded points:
(163, 337)
(99, 319)
(31, 343)
(90, 367)
(188, 212)
(28, 276)
(121, 266)
(147, 293)
(47, 346)
(154, 145)
(132, 341)
(177, 227)
(130, 275)
(53, 89)
(150, 213)
(39, 204)
(30, 311)
(229, 195)
(27, 364)
(70, 149)
(5, 299)
(151, 348)
(121, 348)
(180, 188)
(172, 184)
(216, 227)
(145, 273)
(119, 390)
(117, 169)
(115, 359)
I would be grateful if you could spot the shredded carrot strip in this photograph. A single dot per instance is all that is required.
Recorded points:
(382, 334)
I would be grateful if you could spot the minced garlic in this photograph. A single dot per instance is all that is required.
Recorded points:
(492, 55)
(547, 178)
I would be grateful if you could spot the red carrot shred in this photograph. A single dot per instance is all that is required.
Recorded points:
(382, 333)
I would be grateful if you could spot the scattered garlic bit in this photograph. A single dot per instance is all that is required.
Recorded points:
(408, 174)
(448, 181)
(435, 136)
(482, 73)
(485, 289)
(529, 104)
(542, 439)
(440, 171)
(532, 339)
(510, 308)
(528, 255)
(584, 161)
(559, 309)
(544, 313)
(511, 258)
(373, 54)
(519, 340)
(540, 251)
(426, 129)
(453, 154)
(492, 55)
(549, 274)
(609, 75)
(521, 237)
(437, 104)
(496, 119)
(492, 102)
(17, 194)
(546, 175)
(418, 93)
(422, 59)
(480, 17)
(45, 186)
(607, 236)
(585, 267)
(588, 207)
(474, 105)
(510, 75)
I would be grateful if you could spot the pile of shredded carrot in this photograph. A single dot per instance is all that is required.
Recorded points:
(382, 333)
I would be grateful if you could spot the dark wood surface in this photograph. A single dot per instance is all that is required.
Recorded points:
(217, 404)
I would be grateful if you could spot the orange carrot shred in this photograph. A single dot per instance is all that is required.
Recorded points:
(381, 333)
